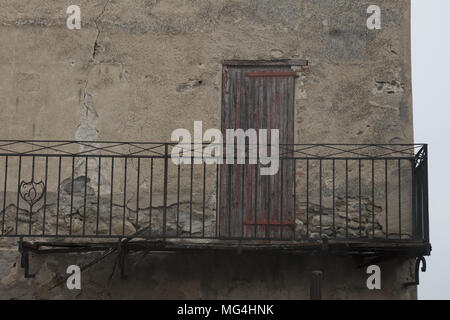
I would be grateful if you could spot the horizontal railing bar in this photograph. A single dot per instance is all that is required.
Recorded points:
(164, 157)
(207, 143)
(77, 156)
(298, 240)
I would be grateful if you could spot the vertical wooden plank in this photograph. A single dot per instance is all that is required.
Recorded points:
(275, 194)
(227, 109)
(263, 199)
(289, 180)
(222, 171)
(250, 181)
(284, 189)
(231, 168)
(237, 176)
(268, 180)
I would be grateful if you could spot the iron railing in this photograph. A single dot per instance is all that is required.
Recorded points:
(80, 189)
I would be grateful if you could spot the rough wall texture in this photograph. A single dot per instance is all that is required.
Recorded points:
(202, 276)
(138, 70)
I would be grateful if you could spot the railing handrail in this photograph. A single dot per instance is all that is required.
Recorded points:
(64, 148)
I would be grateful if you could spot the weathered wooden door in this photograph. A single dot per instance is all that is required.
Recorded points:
(253, 205)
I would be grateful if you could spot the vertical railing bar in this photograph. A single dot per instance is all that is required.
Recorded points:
(269, 211)
(386, 196)
(334, 199)
(425, 204)
(320, 198)
(45, 195)
(295, 199)
(242, 200)
(31, 205)
(420, 201)
(346, 199)
(58, 196)
(18, 192)
(137, 192)
(98, 194)
(281, 199)
(204, 195)
(256, 202)
(85, 194)
(166, 168)
(151, 200)
(360, 205)
(228, 207)
(71, 197)
(124, 195)
(33, 164)
(307, 198)
(4, 194)
(373, 198)
(111, 196)
(399, 200)
(414, 199)
(217, 200)
(178, 197)
(190, 196)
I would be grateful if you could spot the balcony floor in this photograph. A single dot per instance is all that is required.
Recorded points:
(339, 247)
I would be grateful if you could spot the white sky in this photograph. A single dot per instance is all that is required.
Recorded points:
(431, 92)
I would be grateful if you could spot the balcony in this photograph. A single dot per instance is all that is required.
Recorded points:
(83, 196)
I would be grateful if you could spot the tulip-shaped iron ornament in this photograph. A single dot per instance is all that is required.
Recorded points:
(31, 192)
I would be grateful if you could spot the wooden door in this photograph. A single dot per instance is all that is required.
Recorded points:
(252, 205)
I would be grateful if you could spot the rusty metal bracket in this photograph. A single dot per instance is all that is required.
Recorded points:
(417, 271)
(25, 260)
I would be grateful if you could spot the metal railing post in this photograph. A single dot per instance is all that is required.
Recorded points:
(425, 196)
(166, 166)
(414, 200)
(316, 285)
